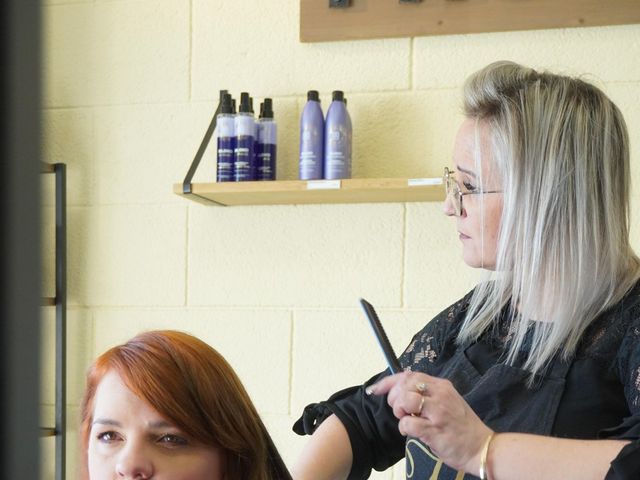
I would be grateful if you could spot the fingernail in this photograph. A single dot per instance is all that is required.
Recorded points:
(370, 390)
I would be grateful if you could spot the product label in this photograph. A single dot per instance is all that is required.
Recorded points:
(418, 182)
(244, 160)
(265, 161)
(308, 159)
(323, 185)
(338, 153)
(311, 147)
(225, 159)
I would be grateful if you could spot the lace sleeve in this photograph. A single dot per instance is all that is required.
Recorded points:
(628, 368)
(427, 346)
(626, 466)
(629, 361)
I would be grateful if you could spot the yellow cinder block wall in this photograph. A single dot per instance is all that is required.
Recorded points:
(129, 90)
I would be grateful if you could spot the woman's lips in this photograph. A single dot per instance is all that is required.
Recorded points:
(462, 236)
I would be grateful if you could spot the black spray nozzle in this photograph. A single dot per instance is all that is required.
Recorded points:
(226, 104)
(266, 108)
(337, 95)
(233, 104)
(313, 95)
(245, 103)
(222, 92)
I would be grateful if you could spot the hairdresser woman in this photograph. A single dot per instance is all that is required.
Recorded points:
(166, 405)
(535, 374)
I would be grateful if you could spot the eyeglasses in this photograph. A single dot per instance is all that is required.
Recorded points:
(453, 191)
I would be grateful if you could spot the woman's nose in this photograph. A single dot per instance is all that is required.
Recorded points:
(448, 207)
(134, 463)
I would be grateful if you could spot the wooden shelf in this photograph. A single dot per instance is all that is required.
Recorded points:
(366, 19)
(47, 432)
(355, 190)
(48, 302)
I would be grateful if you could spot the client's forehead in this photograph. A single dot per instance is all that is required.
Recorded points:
(115, 402)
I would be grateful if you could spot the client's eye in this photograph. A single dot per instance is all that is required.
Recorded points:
(172, 440)
(108, 437)
(469, 187)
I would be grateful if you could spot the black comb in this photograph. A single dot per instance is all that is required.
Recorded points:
(392, 360)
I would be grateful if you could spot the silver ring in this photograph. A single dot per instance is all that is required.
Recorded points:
(421, 387)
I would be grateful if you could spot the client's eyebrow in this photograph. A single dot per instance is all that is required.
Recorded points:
(106, 421)
(468, 172)
(161, 424)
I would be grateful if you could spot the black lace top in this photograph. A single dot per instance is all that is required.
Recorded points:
(600, 396)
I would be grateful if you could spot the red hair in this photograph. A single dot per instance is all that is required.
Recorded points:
(192, 386)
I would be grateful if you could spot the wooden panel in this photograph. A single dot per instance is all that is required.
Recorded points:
(390, 18)
(357, 190)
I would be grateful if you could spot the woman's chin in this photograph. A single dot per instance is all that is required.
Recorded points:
(476, 261)
(471, 260)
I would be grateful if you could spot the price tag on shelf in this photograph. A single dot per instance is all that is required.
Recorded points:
(419, 182)
(323, 184)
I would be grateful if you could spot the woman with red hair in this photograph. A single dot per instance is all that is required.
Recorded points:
(167, 405)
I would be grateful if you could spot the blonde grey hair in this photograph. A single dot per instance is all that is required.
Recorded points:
(562, 149)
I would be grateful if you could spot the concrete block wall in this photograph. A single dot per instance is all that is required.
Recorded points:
(130, 86)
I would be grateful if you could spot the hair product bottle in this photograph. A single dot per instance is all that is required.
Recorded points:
(225, 128)
(244, 158)
(337, 139)
(311, 138)
(220, 98)
(266, 144)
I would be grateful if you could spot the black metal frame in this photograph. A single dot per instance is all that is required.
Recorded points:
(186, 183)
(60, 428)
(60, 170)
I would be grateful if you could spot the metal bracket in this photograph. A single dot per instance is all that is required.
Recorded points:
(186, 183)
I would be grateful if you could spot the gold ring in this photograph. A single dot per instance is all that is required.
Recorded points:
(419, 413)
(421, 387)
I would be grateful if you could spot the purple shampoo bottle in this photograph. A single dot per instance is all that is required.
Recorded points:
(311, 139)
(337, 139)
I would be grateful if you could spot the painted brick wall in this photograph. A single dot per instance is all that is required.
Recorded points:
(130, 86)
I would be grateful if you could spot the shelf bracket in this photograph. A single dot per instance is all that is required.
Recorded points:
(186, 184)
